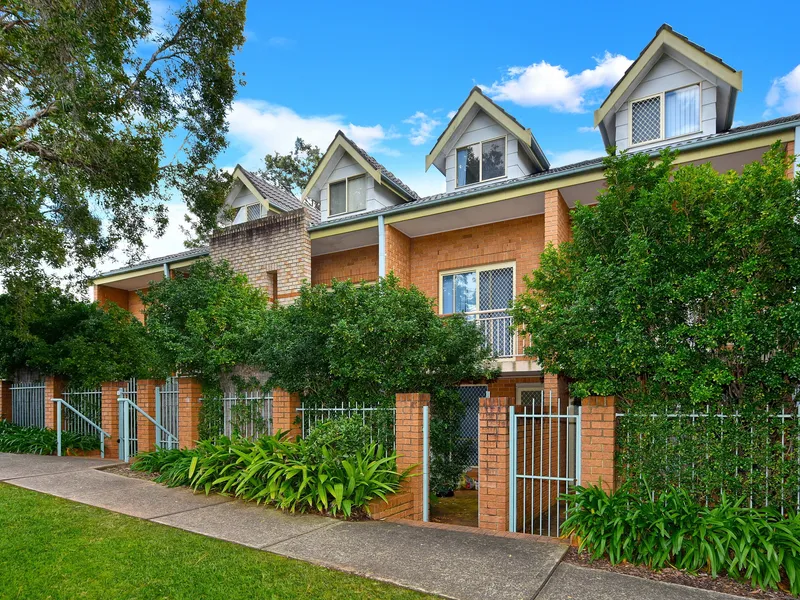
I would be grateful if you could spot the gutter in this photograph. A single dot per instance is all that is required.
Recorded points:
(400, 208)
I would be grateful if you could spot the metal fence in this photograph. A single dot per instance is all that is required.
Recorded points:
(131, 437)
(27, 403)
(713, 451)
(88, 402)
(470, 396)
(167, 413)
(248, 414)
(379, 420)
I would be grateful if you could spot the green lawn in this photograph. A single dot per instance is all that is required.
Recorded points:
(53, 548)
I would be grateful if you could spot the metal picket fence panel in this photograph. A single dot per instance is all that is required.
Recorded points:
(130, 391)
(27, 403)
(167, 413)
(88, 402)
(248, 414)
(544, 461)
(381, 421)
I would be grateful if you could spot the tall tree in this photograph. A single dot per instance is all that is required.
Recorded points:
(293, 170)
(680, 286)
(91, 89)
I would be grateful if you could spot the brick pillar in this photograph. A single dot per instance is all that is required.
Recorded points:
(5, 400)
(398, 254)
(53, 388)
(557, 225)
(284, 412)
(110, 416)
(146, 400)
(790, 151)
(493, 471)
(598, 441)
(409, 444)
(189, 394)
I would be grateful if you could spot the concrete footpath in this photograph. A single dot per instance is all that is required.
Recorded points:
(448, 562)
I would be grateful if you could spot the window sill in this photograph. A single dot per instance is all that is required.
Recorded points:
(677, 138)
(477, 183)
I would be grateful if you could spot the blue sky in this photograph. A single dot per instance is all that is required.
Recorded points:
(390, 73)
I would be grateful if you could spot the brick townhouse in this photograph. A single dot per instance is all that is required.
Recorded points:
(469, 247)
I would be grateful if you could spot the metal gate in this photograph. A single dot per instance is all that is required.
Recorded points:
(128, 430)
(470, 396)
(167, 414)
(544, 460)
(27, 403)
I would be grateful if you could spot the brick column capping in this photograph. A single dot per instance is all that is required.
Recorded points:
(598, 441)
(53, 388)
(493, 457)
(190, 393)
(110, 415)
(5, 400)
(146, 400)
(408, 445)
(284, 412)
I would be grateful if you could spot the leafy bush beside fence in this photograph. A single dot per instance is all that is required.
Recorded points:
(750, 452)
(295, 475)
(38, 440)
(754, 544)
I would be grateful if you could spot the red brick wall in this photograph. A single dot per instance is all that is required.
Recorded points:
(398, 253)
(598, 442)
(396, 506)
(110, 416)
(284, 412)
(520, 240)
(53, 388)
(790, 151)
(189, 394)
(5, 400)
(507, 386)
(493, 458)
(104, 294)
(557, 222)
(408, 444)
(135, 305)
(357, 265)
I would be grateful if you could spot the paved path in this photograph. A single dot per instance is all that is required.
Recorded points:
(450, 563)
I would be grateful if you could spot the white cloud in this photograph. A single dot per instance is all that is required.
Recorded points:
(587, 129)
(262, 128)
(422, 128)
(451, 114)
(568, 157)
(279, 42)
(784, 94)
(543, 84)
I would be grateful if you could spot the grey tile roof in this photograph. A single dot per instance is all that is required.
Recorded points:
(384, 171)
(562, 170)
(275, 195)
(158, 261)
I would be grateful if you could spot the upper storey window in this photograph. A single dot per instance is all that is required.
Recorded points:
(665, 115)
(481, 162)
(348, 195)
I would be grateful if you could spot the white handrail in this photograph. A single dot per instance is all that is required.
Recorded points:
(122, 399)
(59, 402)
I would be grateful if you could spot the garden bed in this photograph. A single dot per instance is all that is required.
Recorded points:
(701, 580)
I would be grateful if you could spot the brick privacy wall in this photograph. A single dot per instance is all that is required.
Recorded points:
(598, 441)
(408, 445)
(520, 240)
(557, 222)
(189, 394)
(104, 294)
(398, 254)
(284, 412)
(357, 265)
(5, 400)
(493, 456)
(396, 506)
(276, 247)
(53, 388)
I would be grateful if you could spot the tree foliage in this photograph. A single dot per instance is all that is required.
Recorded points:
(81, 341)
(680, 286)
(293, 170)
(365, 343)
(91, 91)
(206, 323)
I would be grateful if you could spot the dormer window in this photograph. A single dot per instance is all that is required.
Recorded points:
(666, 115)
(348, 195)
(481, 162)
(254, 211)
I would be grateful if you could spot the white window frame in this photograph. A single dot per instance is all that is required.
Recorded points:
(476, 270)
(528, 387)
(480, 161)
(662, 114)
(346, 196)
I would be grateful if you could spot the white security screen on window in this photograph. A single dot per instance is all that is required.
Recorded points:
(253, 212)
(356, 194)
(646, 120)
(682, 111)
(338, 197)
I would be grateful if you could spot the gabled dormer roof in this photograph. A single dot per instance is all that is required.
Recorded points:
(342, 143)
(269, 195)
(475, 102)
(668, 42)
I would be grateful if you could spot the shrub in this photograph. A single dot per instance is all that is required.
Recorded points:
(343, 438)
(38, 440)
(284, 473)
(755, 544)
